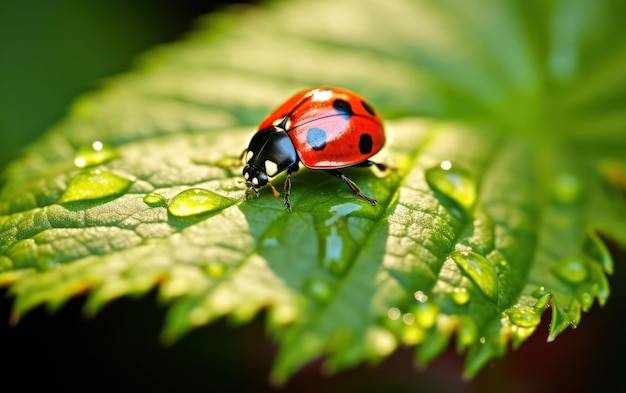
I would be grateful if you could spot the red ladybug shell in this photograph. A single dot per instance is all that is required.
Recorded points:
(329, 127)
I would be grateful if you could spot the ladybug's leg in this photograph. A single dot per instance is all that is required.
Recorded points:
(352, 185)
(288, 188)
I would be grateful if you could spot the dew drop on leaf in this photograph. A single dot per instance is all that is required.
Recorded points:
(426, 314)
(394, 313)
(597, 250)
(543, 297)
(519, 334)
(408, 318)
(586, 300)
(197, 201)
(571, 270)
(460, 296)
(380, 341)
(215, 269)
(95, 184)
(337, 238)
(586, 293)
(333, 253)
(155, 200)
(467, 332)
(320, 290)
(455, 183)
(524, 318)
(94, 154)
(480, 270)
(284, 314)
(566, 189)
(270, 242)
(540, 292)
(420, 296)
(412, 334)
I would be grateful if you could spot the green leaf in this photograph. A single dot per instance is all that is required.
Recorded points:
(507, 151)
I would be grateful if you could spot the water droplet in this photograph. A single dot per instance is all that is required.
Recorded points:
(597, 250)
(283, 314)
(524, 318)
(320, 290)
(460, 296)
(338, 243)
(94, 154)
(155, 200)
(223, 162)
(270, 242)
(520, 334)
(480, 270)
(420, 296)
(413, 334)
(482, 340)
(566, 189)
(197, 201)
(543, 301)
(586, 300)
(539, 292)
(394, 313)
(543, 297)
(231, 186)
(455, 183)
(467, 332)
(95, 184)
(379, 341)
(408, 319)
(215, 269)
(586, 293)
(426, 314)
(334, 249)
(571, 270)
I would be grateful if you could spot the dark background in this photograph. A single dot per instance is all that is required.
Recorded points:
(50, 52)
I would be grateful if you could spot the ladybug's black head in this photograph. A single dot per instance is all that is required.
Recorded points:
(270, 152)
(255, 178)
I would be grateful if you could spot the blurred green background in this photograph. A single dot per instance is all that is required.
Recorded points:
(51, 52)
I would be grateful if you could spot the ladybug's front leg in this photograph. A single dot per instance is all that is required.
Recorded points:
(352, 186)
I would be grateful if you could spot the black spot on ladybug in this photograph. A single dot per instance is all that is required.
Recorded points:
(344, 109)
(316, 138)
(365, 144)
(368, 108)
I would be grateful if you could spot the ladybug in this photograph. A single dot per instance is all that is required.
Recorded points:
(324, 129)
